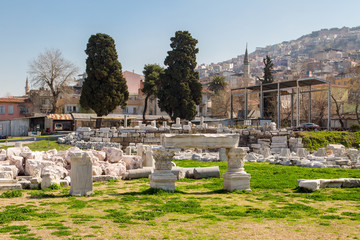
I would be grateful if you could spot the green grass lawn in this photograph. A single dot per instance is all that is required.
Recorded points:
(25, 137)
(199, 209)
(313, 140)
(44, 145)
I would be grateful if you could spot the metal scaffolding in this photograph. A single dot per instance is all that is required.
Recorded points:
(284, 85)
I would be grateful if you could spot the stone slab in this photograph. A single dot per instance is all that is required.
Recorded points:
(200, 140)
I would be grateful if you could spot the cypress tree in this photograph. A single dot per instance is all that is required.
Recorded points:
(104, 87)
(269, 104)
(268, 77)
(180, 89)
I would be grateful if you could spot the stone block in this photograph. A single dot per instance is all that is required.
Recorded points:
(279, 139)
(113, 155)
(351, 183)
(9, 186)
(163, 180)
(321, 152)
(25, 184)
(103, 178)
(35, 183)
(222, 155)
(302, 152)
(331, 183)
(132, 161)
(34, 167)
(11, 168)
(236, 181)
(6, 175)
(47, 180)
(179, 172)
(81, 174)
(342, 162)
(115, 169)
(200, 140)
(309, 185)
(54, 170)
(3, 156)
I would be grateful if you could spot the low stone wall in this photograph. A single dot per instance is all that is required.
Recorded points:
(313, 185)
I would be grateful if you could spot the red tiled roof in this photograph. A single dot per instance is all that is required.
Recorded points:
(14, 100)
(59, 116)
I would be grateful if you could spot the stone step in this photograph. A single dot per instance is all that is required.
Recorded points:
(6, 181)
(9, 186)
(24, 178)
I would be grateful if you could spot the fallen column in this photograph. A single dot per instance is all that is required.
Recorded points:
(206, 172)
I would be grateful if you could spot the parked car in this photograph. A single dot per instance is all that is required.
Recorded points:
(307, 126)
(58, 127)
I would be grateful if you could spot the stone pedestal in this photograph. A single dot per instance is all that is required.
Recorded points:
(236, 178)
(177, 125)
(163, 178)
(81, 174)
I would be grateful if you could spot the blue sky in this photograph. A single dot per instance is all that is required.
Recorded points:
(142, 28)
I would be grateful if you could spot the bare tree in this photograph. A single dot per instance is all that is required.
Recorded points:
(338, 111)
(51, 71)
(220, 106)
(354, 94)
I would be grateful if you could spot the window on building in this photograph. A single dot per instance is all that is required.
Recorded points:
(2, 109)
(134, 110)
(74, 108)
(68, 108)
(23, 109)
(11, 109)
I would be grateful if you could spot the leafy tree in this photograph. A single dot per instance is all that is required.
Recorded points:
(269, 98)
(104, 87)
(180, 89)
(217, 84)
(51, 71)
(152, 73)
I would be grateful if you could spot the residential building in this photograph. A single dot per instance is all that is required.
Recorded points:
(15, 107)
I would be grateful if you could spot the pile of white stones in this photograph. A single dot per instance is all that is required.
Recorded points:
(86, 138)
(198, 155)
(334, 156)
(22, 168)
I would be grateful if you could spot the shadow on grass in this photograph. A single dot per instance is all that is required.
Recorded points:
(159, 192)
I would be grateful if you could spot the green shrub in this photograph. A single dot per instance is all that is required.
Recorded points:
(355, 127)
(11, 194)
(54, 186)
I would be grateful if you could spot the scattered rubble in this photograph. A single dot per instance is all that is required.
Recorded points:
(33, 169)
